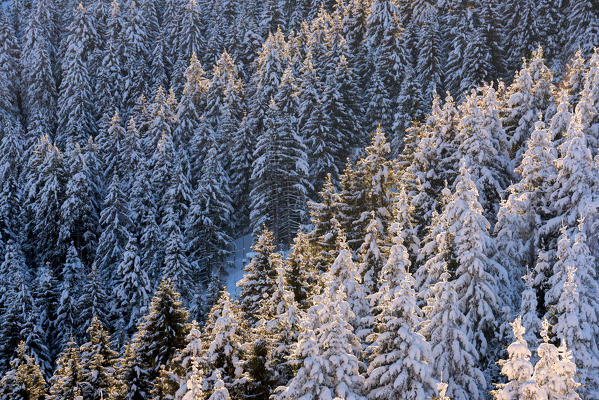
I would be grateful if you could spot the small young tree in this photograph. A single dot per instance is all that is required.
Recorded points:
(259, 276)
(517, 369)
(554, 372)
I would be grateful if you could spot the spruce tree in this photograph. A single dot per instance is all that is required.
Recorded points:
(67, 379)
(433, 162)
(581, 27)
(399, 354)
(430, 72)
(343, 275)
(530, 320)
(224, 340)
(453, 353)
(259, 276)
(528, 204)
(190, 41)
(479, 278)
(132, 291)
(176, 266)
(574, 286)
(387, 52)
(574, 185)
(78, 215)
(68, 313)
(160, 335)
(555, 372)
(270, 66)
(47, 294)
(38, 78)
(219, 392)
(299, 271)
(369, 190)
(371, 258)
(24, 380)
(277, 331)
(482, 142)
(521, 31)
(527, 96)
(280, 169)
(517, 369)
(94, 299)
(136, 53)
(9, 61)
(323, 217)
(191, 106)
(224, 106)
(208, 222)
(109, 80)
(45, 180)
(115, 224)
(328, 353)
(188, 365)
(75, 114)
(98, 365)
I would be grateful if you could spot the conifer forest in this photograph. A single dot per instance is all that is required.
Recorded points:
(419, 181)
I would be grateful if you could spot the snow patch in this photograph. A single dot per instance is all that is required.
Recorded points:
(242, 253)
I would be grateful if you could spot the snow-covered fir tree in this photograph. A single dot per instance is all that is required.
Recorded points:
(328, 353)
(24, 379)
(555, 371)
(399, 363)
(517, 369)
(132, 291)
(259, 276)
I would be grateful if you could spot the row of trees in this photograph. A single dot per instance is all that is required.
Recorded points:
(320, 339)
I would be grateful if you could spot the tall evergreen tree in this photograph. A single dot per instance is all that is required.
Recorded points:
(94, 300)
(45, 181)
(132, 291)
(224, 340)
(522, 31)
(526, 98)
(78, 215)
(328, 353)
(98, 365)
(574, 287)
(115, 223)
(208, 222)
(38, 77)
(555, 372)
(160, 335)
(68, 313)
(581, 27)
(453, 355)
(280, 169)
(479, 278)
(369, 189)
(75, 114)
(399, 361)
(528, 204)
(482, 141)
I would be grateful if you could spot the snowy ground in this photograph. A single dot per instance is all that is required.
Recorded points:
(241, 256)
